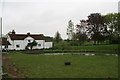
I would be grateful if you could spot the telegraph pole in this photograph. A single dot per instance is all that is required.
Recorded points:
(1, 25)
(1, 48)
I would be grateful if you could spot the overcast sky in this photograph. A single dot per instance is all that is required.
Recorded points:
(49, 16)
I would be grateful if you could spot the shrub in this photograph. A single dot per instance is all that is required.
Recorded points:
(63, 45)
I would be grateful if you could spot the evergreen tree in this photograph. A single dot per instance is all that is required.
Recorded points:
(70, 30)
(57, 37)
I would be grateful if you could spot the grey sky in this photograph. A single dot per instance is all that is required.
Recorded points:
(119, 6)
(49, 16)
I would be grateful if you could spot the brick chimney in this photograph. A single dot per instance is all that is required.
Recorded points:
(28, 33)
(13, 31)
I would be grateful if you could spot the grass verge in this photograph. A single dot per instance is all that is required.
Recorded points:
(52, 66)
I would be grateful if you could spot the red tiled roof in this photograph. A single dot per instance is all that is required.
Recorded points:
(4, 42)
(23, 36)
(48, 41)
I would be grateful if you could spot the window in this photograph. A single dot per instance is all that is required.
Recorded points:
(39, 44)
(17, 46)
(29, 41)
(6, 46)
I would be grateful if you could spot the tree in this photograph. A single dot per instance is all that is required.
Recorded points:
(96, 28)
(81, 35)
(112, 20)
(31, 45)
(70, 30)
(57, 37)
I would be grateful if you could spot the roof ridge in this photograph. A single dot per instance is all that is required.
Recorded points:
(23, 36)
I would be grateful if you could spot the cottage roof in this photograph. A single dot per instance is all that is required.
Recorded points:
(23, 36)
(5, 42)
(48, 41)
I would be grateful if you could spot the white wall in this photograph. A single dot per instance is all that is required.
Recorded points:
(16, 42)
(40, 44)
(3, 47)
(48, 44)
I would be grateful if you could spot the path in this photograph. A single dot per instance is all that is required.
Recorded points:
(10, 68)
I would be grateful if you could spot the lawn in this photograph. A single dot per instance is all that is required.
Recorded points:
(94, 48)
(52, 66)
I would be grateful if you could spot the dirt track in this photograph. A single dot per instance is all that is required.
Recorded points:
(10, 68)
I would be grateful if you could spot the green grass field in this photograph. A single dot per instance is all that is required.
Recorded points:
(52, 66)
(95, 48)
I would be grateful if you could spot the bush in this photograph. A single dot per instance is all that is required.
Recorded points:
(63, 45)
(114, 42)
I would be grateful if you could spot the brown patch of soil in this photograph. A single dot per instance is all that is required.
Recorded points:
(10, 68)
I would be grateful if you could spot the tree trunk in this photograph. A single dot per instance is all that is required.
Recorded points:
(95, 42)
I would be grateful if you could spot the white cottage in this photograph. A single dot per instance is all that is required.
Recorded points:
(20, 41)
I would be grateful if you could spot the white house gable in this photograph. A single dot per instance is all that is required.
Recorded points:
(28, 40)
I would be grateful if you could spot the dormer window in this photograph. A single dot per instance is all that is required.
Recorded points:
(29, 40)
